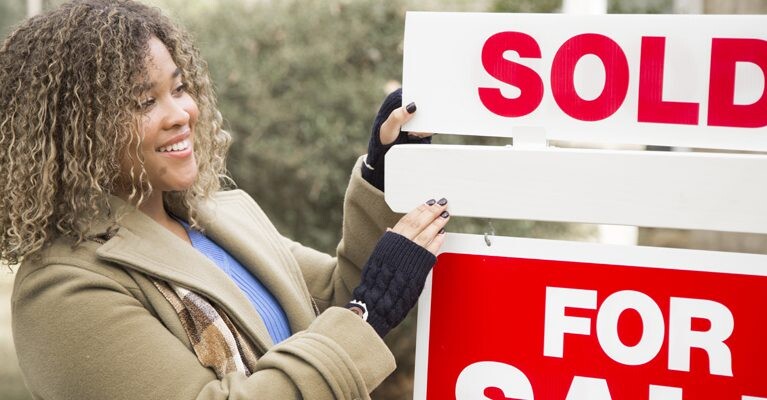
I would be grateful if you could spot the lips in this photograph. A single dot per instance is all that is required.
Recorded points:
(178, 143)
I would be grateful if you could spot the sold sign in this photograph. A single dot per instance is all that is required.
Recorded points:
(580, 321)
(695, 81)
(652, 108)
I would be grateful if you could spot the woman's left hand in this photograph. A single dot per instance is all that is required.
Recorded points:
(391, 129)
(386, 132)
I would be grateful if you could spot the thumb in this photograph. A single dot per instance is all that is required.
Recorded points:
(391, 127)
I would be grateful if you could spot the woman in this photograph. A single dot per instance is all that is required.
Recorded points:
(140, 279)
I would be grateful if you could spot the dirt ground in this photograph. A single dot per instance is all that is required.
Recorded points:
(11, 385)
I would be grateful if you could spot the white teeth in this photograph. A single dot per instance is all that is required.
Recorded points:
(182, 145)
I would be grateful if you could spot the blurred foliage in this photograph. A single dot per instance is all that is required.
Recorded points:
(529, 6)
(640, 7)
(11, 12)
(613, 6)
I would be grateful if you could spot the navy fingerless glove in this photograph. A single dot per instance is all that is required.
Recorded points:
(373, 172)
(392, 281)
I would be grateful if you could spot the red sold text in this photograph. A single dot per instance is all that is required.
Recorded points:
(722, 111)
(562, 324)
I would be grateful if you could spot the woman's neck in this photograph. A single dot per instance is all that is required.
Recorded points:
(155, 209)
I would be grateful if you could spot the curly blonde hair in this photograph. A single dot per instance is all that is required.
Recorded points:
(69, 89)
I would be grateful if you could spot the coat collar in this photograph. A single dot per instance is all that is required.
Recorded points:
(236, 223)
(142, 244)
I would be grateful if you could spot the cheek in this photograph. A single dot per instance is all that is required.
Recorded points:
(149, 126)
(191, 108)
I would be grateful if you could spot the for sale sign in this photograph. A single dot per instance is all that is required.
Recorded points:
(695, 81)
(534, 319)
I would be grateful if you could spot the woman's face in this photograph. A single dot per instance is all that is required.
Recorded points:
(169, 116)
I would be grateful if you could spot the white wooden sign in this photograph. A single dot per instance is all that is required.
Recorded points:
(692, 81)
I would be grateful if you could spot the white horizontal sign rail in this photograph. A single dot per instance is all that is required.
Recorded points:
(675, 80)
(711, 191)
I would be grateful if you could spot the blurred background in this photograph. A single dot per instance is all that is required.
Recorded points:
(299, 83)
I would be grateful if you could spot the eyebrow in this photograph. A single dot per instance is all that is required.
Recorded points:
(147, 86)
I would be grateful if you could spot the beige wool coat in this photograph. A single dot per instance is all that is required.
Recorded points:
(89, 324)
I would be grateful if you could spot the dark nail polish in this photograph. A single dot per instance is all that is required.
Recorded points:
(431, 202)
(442, 201)
(444, 214)
(410, 108)
(442, 231)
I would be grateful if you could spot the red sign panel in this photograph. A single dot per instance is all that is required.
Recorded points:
(515, 328)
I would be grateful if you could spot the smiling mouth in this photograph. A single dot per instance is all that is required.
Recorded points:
(178, 146)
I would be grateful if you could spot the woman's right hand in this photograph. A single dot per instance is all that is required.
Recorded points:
(425, 225)
(395, 273)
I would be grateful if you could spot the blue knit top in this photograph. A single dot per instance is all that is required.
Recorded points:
(267, 306)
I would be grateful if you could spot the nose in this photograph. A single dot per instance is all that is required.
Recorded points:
(175, 113)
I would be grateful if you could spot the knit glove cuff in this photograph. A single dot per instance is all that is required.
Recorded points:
(392, 280)
(373, 169)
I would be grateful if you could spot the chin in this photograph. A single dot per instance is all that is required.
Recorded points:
(182, 179)
(179, 184)
(186, 185)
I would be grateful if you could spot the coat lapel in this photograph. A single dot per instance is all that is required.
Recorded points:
(144, 245)
(236, 223)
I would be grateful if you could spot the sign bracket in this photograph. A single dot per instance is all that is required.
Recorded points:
(529, 137)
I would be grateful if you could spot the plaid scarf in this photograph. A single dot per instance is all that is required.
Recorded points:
(215, 340)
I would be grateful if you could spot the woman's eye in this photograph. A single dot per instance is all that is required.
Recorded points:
(147, 104)
(180, 88)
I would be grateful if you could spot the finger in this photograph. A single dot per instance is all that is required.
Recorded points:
(431, 231)
(404, 225)
(436, 244)
(391, 127)
(413, 225)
